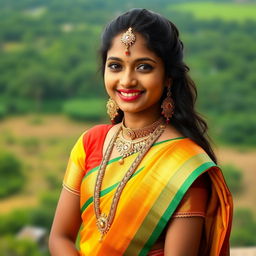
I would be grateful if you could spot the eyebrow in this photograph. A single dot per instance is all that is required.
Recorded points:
(137, 60)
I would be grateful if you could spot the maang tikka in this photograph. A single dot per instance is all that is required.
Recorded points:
(128, 38)
(112, 109)
(168, 106)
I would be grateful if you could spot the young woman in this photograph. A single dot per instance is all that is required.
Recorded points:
(148, 184)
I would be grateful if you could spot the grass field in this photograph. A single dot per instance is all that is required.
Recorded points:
(226, 11)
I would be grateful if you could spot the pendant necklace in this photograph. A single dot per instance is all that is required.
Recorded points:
(103, 220)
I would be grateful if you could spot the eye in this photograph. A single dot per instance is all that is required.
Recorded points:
(145, 67)
(114, 66)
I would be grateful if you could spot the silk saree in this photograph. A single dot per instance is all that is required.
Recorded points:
(149, 199)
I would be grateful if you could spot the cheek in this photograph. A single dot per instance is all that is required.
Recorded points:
(109, 83)
(156, 86)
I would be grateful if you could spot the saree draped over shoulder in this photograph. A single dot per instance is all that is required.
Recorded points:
(150, 197)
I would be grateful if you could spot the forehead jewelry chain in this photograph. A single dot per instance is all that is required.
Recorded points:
(104, 221)
(128, 38)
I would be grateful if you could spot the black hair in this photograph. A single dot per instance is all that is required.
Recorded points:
(162, 37)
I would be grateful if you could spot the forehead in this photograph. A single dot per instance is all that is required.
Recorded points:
(138, 49)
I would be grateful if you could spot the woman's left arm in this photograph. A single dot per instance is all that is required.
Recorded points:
(184, 231)
(183, 236)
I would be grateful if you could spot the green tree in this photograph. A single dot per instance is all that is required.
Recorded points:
(12, 178)
(11, 246)
(244, 226)
(234, 178)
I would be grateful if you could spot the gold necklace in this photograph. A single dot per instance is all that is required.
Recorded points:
(128, 147)
(104, 221)
(141, 132)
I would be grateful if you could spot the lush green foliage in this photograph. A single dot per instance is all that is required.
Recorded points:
(12, 178)
(244, 226)
(210, 10)
(12, 223)
(3, 111)
(85, 110)
(10, 246)
(234, 178)
(48, 54)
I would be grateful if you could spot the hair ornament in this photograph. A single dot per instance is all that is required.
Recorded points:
(128, 38)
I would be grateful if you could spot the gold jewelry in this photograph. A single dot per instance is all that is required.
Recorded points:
(112, 109)
(128, 38)
(104, 221)
(128, 147)
(168, 106)
(142, 132)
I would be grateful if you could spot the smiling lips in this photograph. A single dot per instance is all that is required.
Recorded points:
(129, 95)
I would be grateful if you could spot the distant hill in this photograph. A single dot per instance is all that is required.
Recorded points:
(232, 11)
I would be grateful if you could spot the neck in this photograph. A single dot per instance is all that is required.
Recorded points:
(140, 121)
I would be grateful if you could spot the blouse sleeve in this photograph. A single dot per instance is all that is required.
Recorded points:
(194, 202)
(75, 168)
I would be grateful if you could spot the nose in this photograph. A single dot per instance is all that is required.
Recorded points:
(128, 79)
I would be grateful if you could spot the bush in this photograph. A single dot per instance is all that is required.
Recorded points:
(43, 214)
(244, 226)
(31, 144)
(10, 246)
(12, 178)
(11, 223)
(239, 129)
(85, 110)
(234, 178)
(9, 138)
(20, 106)
(3, 111)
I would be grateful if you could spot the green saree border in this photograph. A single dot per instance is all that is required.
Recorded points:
(173, 205)
(106, 191)
(109, 189)
(148, 236)
(119, 157)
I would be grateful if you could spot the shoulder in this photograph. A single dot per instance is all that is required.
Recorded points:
(190, 155)
(96, 131)
(186, 146)
(99, 129)
(95, 135)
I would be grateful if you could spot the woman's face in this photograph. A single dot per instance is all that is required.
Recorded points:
(136, 82)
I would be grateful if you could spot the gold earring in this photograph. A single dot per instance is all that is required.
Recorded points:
(168, 106)
(112, 109)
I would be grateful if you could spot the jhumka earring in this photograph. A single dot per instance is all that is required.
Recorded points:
(168, 106)
(112, 109)
(128, 39)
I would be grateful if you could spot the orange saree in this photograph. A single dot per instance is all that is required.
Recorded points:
(149, 199)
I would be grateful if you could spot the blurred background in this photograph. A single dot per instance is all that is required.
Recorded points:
(51, 91)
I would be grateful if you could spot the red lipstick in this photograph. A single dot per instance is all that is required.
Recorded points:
(129, 94)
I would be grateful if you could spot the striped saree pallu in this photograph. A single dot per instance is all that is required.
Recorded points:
(150, 198)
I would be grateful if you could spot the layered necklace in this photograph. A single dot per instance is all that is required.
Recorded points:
(143, 140)
(137, 139)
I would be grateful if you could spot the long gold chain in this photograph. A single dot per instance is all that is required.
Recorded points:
(104, 221)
